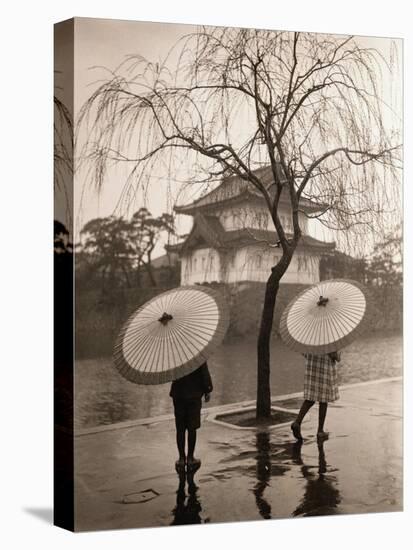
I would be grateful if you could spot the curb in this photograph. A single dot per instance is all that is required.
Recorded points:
(214, 419)
(219, 409)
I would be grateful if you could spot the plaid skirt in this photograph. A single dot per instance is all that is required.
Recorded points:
(320, 379)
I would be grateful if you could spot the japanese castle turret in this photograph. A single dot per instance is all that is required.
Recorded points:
(233, 238)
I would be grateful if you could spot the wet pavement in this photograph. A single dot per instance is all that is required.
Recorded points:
(126, 477)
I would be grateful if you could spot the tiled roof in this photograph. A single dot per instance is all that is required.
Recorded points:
(249, 236)
(208, 228)
(213, 233)
(165, 260)
(307, 240)
(232, 188)
(213, 226)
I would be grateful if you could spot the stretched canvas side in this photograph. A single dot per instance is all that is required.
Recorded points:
(63, 275)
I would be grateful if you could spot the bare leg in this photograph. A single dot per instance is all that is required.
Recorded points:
(191, 444)
(296, 425)
(193, 463)
(322, 412)
(180, 442)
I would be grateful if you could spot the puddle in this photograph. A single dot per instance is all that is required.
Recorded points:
(140, 497)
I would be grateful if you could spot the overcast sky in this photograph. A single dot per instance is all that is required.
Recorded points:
(100, 44)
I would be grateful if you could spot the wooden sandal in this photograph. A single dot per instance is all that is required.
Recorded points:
(193, 464)
(295, 427)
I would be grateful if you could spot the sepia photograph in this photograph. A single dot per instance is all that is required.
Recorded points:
(228, 274)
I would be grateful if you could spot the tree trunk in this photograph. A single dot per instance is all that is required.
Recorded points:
(263, 348)
(125, 272)
(103, 279)
(138, 274)
(149, 270)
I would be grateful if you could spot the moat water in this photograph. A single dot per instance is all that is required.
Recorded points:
(104, 397)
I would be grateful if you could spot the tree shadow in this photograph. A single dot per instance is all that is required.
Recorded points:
(272, 461)
(263, 473)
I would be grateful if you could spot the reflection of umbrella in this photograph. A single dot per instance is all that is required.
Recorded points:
(325, 317)
(171, 335)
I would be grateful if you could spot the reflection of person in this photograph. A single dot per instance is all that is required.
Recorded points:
(187, 395)
(320, 384)
(187, 510)
(321, 496)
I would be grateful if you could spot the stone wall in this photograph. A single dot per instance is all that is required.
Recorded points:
(99, 317)
(246, 301)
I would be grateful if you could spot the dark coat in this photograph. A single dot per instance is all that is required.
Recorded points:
(194, 385)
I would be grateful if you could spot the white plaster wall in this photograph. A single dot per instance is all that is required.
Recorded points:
(203, 266)
(251, 263)
(255, 217)
(303, 269)
(245, 216)
(254, 263)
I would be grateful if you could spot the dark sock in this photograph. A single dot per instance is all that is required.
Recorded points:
(180, 442)
(322, 412)
(305, 407)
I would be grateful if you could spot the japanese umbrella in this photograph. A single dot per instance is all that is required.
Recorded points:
(325, 317)
(171, 335)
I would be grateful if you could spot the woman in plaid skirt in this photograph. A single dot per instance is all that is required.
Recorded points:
(320, 384)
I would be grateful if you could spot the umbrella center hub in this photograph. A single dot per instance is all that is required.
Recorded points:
(166, 317)
(322, 301)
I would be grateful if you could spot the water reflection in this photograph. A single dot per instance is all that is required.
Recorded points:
(104, 397)
(263, 473)
(188, 507)
(272, 461)
(321, 496)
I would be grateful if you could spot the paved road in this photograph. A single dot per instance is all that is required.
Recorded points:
(126, 478)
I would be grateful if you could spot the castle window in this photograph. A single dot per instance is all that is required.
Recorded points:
(258, 261)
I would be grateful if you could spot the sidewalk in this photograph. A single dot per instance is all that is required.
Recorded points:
(125, 473)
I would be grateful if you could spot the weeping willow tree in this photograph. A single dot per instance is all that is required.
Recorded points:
(63, 136)
(227, 102)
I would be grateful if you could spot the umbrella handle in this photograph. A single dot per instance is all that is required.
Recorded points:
(165, 318)
(321, 302)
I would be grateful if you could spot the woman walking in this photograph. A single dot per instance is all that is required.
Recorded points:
(320, 384)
